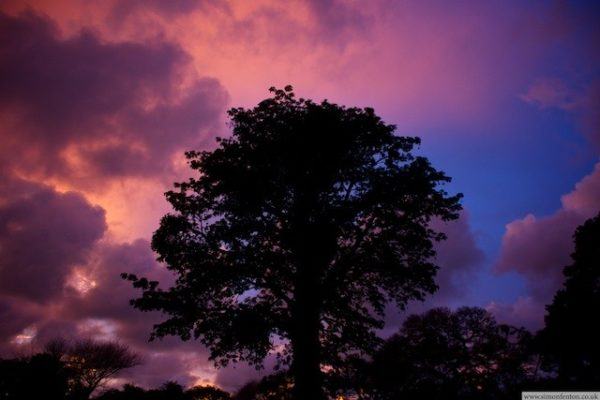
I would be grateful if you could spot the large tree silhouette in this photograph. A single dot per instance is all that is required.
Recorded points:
(297, 231)
(570, 339)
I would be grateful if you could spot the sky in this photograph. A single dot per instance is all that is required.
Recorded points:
(99, 100)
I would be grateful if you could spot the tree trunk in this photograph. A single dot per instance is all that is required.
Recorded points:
(306, 345)
(310, 247)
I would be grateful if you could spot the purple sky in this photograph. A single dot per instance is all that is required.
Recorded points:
(98, 101)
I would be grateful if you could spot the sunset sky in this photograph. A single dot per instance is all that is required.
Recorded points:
(99, 100)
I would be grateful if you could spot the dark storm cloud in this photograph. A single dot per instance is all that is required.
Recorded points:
(43, 235)
(85, 108)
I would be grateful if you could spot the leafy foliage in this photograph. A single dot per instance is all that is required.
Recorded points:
(272, 387)
(442, 354)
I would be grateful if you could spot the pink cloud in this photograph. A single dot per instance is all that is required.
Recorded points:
(585, 198)
(548, 92)
(539, 248)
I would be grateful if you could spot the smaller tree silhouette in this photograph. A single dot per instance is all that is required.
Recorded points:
(128, 392)
(443, 354)
(168, 391)
(206, 393)
(276, 386)
(91, 363)
(569, 341)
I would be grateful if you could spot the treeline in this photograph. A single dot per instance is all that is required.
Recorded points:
(168, 391)
(64, 370)
(461, 354)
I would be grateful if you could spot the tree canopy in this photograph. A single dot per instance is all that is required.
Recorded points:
(297, 231)
(444, 354)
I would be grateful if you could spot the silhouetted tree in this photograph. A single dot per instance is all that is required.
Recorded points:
(350, 379)
(451, 355)
(569, 341)
(277, 386)
(168, 391)
(247, 392)
(300, 228)
(92, 362)
(65, 371)
(206, 393)
(128, 392)
(172, 390)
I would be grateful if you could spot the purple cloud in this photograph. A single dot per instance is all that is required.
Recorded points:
(88, 108)
(43, 236)
(459, 259)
